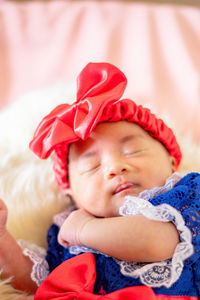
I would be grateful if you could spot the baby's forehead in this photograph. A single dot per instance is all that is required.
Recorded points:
(116, 128)
(113, 132)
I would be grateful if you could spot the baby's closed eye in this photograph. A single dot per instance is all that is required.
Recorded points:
(130, 151)
(133, 147)
(89, 166)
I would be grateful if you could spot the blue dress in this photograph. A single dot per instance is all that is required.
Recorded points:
(184, 197)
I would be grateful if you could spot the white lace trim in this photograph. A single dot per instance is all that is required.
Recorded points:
(79, 249)
(37, 255)
(163, 273)
(169, 184)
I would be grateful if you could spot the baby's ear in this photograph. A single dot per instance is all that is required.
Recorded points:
(68, 191)
(173, 163)
(69, 196)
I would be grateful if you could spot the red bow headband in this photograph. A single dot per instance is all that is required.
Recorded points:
(99, 89)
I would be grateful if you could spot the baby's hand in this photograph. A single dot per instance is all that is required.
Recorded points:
(71, 229)
(3, 218)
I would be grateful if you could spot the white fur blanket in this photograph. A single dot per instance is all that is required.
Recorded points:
(27, 183)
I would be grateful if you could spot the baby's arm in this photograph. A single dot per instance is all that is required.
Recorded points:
(12, 261)
(131, 238)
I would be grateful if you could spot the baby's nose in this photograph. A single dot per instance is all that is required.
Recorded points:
(115, 169)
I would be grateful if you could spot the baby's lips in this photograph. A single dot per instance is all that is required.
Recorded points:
(124, 186)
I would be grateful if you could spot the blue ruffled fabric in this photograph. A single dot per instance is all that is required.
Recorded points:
(185, 197)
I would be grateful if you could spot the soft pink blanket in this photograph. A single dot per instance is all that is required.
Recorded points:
(156, 44)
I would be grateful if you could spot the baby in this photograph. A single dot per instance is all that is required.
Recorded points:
(118, 159)
(113, 159)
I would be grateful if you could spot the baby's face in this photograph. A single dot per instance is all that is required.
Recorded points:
(118, 159)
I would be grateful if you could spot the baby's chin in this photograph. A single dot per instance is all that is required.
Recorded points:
(114, 210)
(109, 213)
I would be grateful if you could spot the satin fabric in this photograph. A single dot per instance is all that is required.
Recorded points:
(99, 89)
(75, 279)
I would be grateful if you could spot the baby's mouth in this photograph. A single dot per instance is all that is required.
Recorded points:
(124, 186)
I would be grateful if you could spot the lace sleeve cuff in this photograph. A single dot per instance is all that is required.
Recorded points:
(163, 273)
(37, 255)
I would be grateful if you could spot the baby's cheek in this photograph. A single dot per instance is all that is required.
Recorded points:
(150, 178)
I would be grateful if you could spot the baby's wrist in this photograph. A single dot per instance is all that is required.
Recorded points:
(86, 230)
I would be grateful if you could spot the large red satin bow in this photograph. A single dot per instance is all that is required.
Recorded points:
(75, 279)
(97, 85)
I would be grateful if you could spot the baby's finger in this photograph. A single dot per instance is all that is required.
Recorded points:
(3, 205)
(3, 215)
(62, 242)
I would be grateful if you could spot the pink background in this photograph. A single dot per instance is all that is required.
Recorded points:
(156, 44)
